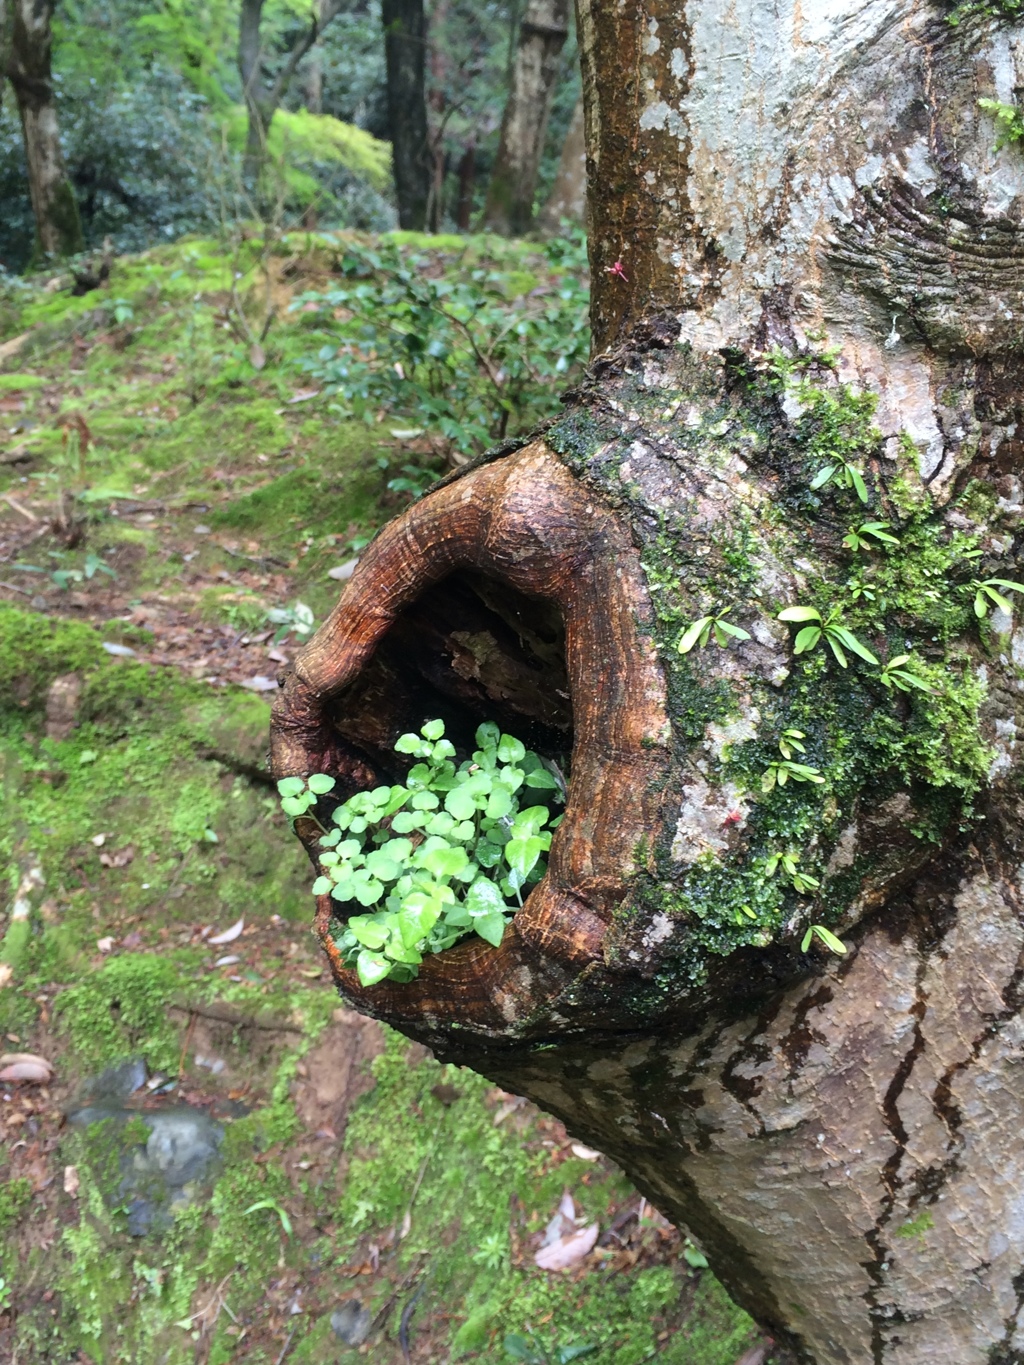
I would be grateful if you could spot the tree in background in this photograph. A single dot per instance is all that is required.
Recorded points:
(58, 226)
(567, 201)
(763, 580)
(405, 50)
(543, 30)
(263, 97)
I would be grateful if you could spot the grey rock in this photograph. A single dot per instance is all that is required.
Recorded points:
(170, 1168)
(110, 1086)
(351, 1322)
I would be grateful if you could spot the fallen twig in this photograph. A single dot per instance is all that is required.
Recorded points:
(22, 511)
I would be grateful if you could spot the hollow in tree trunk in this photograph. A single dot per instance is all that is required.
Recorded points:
(405, 41)
(58, 226)
(808, 302)
(542, 32)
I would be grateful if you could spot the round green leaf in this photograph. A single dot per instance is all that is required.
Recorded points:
(321, 886)
(371, 968)
(460, 803)
(321, 784)
(511, 750)
(291, 786)
(491, 928)
(433, 729)
(368, 930)
(484, 898)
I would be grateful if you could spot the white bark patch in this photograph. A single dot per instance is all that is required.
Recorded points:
(701, 827)
(719, 739)
(1005, 744)
(844, 852)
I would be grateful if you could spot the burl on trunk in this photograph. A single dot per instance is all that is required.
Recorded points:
(806, 393)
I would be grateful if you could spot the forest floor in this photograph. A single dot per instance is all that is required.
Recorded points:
(208, 1158)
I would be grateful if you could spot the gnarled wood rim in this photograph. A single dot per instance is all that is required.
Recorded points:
(523, 521)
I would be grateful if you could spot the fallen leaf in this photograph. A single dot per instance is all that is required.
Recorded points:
(6, 973)
(105, 944)
(303, 395)
(260, 684)
(229, 935)
(567, 1250)
(99, 840)
(276, 656)
(119, 859)
(309, 971)
(25, 1066)
(227, 961)
(71, 1181)
(584, 1153)
(119, 651)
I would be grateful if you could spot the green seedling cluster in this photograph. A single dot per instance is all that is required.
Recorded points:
(448, 854)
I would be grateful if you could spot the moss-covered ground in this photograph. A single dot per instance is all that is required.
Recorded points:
(166, 480)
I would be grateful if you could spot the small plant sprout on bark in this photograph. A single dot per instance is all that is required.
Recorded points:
(844, 474)
(987, 594)
(839, 638)
(784, 768)
(802, 881)
(868, 536)
(895, 675)
(446, 855)
(699, 632)
(833, 944)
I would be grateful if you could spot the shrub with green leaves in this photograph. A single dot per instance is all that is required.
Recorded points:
(448, 854)
(459, 352)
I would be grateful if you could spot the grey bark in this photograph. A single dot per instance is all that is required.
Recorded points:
(58, 226)
(542, 33)
(405, 41)
(568, 198)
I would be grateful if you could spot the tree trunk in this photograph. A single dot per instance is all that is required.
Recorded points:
(262, 100)
(807, 256)
(405, 40)
(58, 226)
(568, 198)
(542, 33)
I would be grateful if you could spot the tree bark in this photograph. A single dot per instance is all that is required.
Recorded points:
(405, 42)
(58, 226)
(568, 198)
(796, 213)
(542, 34)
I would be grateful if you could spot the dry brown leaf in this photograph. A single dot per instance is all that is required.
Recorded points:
(567, 1250)
(71, 1181)
(229, 935)
(25, 1066)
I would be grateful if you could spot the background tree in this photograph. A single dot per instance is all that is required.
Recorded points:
(58, 227)
(808, 315)
(263, 97)
(542, 33)
(568, 198)
(405, 48)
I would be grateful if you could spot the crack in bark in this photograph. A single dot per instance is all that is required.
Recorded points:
(883, 1316)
